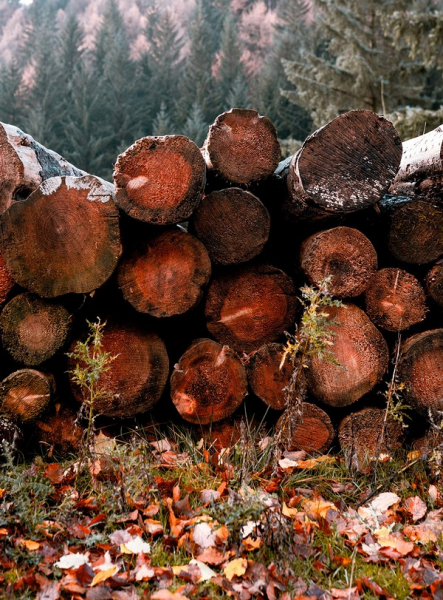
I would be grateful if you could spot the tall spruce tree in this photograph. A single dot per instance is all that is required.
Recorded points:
(357, 62)
(12, 94)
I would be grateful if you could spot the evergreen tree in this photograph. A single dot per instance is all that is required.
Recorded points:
(12, 94)
(162, 124)
(357, 63)
(195, 127)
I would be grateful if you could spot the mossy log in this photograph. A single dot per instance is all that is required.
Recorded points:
(25, 395)
(165, 275)
(360, 354)
(395, 300)
(209, 382)
(33, 329)
(64, 238)
(342, 254)
(160, 179)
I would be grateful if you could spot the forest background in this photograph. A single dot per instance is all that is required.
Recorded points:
(88, 77)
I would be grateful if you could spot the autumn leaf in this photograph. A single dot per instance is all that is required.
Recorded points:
(30, 545)
(104, 575)
(72, 561)
(167, 595)
(135, 546)
(317, 508)
(235, 568)
(416, 507)
(384, 501)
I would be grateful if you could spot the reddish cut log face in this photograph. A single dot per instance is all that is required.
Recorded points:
(32, 329)
(416, 233)
(312, 432)
(395, 300)
(350, 163)
(361, 353)
(60, 431)
(63, 238)
(137, 376)
(242, 146)
(25, 394)
(233, 225)
(6, 281)
(160, 179)
(167, 275)
(344, 255)
(209, 382)
(434, 283)
(250, 306)
(266, 378)
(421, 369)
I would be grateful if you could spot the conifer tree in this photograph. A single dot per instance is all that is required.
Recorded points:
(162, 124)
(12, 94)
(195, 127)
(357, 63)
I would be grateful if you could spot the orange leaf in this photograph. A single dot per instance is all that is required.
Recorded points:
(167, 595)
(30, 545)
(104, 575)
(416, 507)
(235, 568)
(251, 544)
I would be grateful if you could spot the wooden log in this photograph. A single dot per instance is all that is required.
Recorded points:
(25, 164)
(312, 432)
(395, 300)
(241, 147)
(165, 275)
(421, 168)
(63, 238)
(160, 179)
(434, 283)
(233, 224)
(361, 354)
(32, 329)
(60, 431)
(25, 394)
(266, 379)
(343, 254)
(209, 382)
(230, 432)
(250, 306)
(420, 368)
(6, 281)
(345, 166)
(138, 374)
(416, 232)
(363, 437)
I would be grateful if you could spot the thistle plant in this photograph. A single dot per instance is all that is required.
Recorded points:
(91, 361)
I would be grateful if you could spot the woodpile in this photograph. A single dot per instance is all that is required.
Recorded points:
(194, 258)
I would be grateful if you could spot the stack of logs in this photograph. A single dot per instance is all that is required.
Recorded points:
(194, 258)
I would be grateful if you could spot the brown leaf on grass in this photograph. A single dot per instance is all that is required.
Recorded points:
(416, 507)
(235, 568)
(212, 556)
(49, 591)
(345, 594)
(78, 530)
(30, 545)
(102, 576)
(367, 583)
(208, 496)
(395, 541)
(153, 527)
(167, 595)
(54, 473)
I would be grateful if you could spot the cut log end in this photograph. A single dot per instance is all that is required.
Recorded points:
(421, 370)
(364, 437)
(209, 382)
(138, 375)
(395, 300)
(242, 147)
(361, 354)
(342, 254)
(233, 225)
(434, 284)
(266, 378)
(64, 238)
(160, 179)
(6, 281)
(250, 306)
(25, 394)
(60, 431)
(32, 329)
(312, 431)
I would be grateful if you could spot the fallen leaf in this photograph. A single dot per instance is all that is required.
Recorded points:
(250, 544)
(211, 556)
(167, 595)
(206, 572)
(395, 541)
(317, 508)
(161, 445)
(250, 527)
(54, 473)
(203, 535)
(235, 568)
(288, 512)
(49, 591)
(384, 501)
(312, 463)
(416, 507)
(104, 575)
(287, 463)
(30, 545)
(135, 546)
(153, 527)
(73, 561)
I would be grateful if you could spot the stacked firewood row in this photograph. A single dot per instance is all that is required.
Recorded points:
(194, 259)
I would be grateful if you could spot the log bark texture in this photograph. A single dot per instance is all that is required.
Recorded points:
(33, 329)
(25, 164)
(363, 436)
(160, 180)
(345, 166)
(233, 224)
(343, 254)
(361, 354)
(250, 306)
(165, 275)
(138, 374)
(420, 368)
(60, 431)
(63, 238)
(242, 147)
(434, 283)
(25, 394)
(6, 281)
(312, 431)
(209, 382)
(266, 379)
(416, 232)
(395, 300)
(421, 168)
